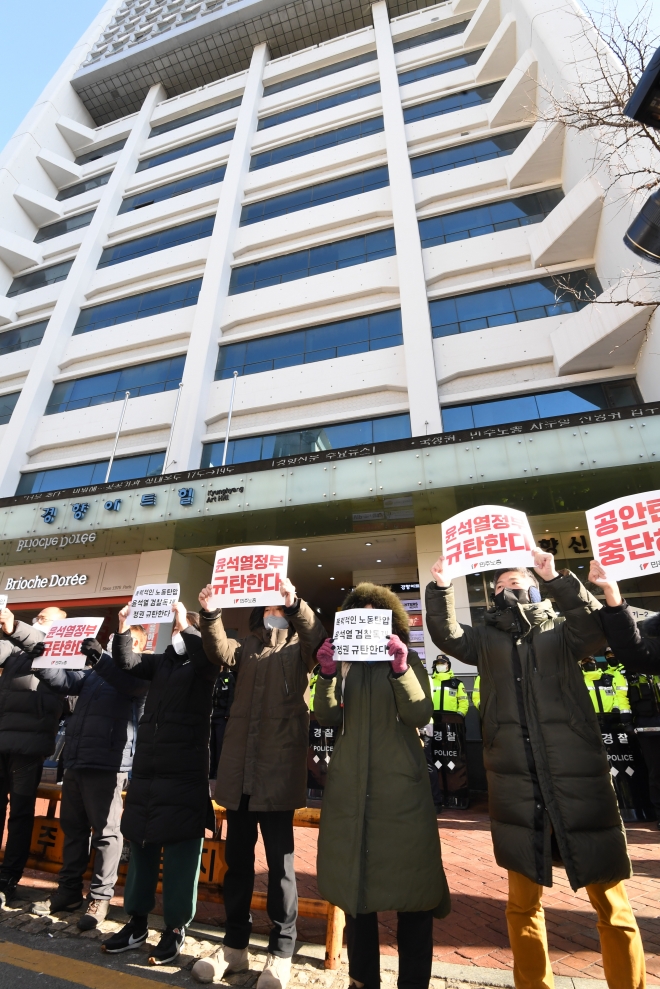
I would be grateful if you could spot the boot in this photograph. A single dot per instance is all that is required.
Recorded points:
(276, 973)
(97, 911)
(223, 962)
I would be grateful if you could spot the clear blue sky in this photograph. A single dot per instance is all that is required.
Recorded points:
(35, 36)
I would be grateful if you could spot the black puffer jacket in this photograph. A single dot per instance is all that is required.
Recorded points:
(545, 761)
(168, 796)
(30, 711)
(101, 733)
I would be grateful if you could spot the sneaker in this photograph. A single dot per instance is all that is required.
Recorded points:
(169, 947)
(97, 911)
(276, 973)
(7, 892)
(225, 961)
(62, 899)
(132, 935)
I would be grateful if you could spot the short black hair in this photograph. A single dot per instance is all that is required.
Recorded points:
(524, 570)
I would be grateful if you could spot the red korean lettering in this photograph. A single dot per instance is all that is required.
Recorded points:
(611, 552)
(220, 565)
(236, 583)
(58, 645)
(627, 514)
(277, 561)
(640, 545)
(233, 563)
(606, 523)
(220, 585)
(481, 523)
(450, 534)
(653, 507)
(247, 562)
(272, 582)
(518, 541)
(465, 528)
(473, 547)
(500, 522)
(495, 542)
(261, 561)
(453, 553)
(255, 582)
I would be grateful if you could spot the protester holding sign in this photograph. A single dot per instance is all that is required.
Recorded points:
(549, 787)
(30, 713)
(167, 806)
(262, 774)
(378, 844)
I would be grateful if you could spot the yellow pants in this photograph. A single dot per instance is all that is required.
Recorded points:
(620, 941)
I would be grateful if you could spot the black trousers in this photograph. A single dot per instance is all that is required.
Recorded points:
(20, 776)
(282, 900)
(414, 938)
(649, 743)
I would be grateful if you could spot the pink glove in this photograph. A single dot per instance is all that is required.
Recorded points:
(326, 658)
(399, 653)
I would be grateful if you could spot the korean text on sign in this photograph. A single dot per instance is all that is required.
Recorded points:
(625, 535)
(249, 576)
(361, 634)
(152, 604)
(486, 538)
(62, 643)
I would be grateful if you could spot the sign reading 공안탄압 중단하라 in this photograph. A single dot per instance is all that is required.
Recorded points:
(361, 634)
(625, 535)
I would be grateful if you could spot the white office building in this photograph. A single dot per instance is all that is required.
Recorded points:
(364, 217)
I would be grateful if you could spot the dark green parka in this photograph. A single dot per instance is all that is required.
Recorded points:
(379, 847)
(545, 761)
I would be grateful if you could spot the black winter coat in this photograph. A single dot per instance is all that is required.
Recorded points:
(547, 769)
(101, 733)
(168, 796)
(30, 711)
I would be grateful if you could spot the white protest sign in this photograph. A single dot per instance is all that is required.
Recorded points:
(3, 601)
(152, 604)
(361, 634)
(249, 575)
(625, 535)
(62, 643)
(486, 538)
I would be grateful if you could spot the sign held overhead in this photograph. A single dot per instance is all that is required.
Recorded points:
(486, 538)
(62, 643)
(625, 535)
(249, 576)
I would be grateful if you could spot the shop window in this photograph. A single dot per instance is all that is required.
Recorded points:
(318, 343)
(329, 139)
(107, 149)
(326, 70)
(440, 68)
(313, 261)
(84, 186)
(315, 106)
(64, 226)
(310, 440)
(22, 337)
(425, 39)
(7, 405)
(39, 279)
(450, 104)
(191, 118)
(185, 233)
(316, 195)
(80, 475)
(498, 146)
(172, 189)
(536, 299)
(186, 149)
(489, 218)
(521, 408)
(131, 307)
(97, 389)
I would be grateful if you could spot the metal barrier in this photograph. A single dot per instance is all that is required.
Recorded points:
(46, 856)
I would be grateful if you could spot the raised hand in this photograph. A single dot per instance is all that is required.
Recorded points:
(438, 573)
(123, 618)
(544, 564)
(326, 657)
(398, 651)
(180, 617)
(208, 599)
(288, 592)
(598, 576)
(7, 621)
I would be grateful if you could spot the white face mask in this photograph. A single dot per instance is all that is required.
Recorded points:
(275, 621)
(179, 644)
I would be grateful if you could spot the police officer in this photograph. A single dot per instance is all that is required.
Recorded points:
(644, 695)
(445, 748)
(608, 690)
(476, 692)
(223, 696)
(321, 744)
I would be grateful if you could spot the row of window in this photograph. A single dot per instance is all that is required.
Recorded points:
(7, 405)
(131, 307)
(191, 118)
(107, 149)
(475, 221)
(315, 106)
(440, 68)
(186, 149)
(22, 337)
(450, 104)
(65, 226)
(79, 475)
(97, 389)
(184, 233)
(171, 189)
(316, 195)
(318, 142)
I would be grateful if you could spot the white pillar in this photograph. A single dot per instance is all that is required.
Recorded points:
(38, 385)
(417, 338)
(189, 429)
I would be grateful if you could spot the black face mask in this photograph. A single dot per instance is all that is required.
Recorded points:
(509, 598)
(589, 666)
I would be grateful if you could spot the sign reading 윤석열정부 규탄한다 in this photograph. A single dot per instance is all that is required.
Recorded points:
(485, 538)
(152, 603)
(62, 643)
(249, 576)
(361, 634)
(625, 535)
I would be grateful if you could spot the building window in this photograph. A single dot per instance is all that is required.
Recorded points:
(190, 118)
(329, 139)
(327, 70)
(183, 234)
(64, 226)
(22, 337)
(7, 405)
(97, 389)
(489, 218)
(440, 68)
(498, 146)
(107, 149)
(536, 299)
(426, 39)
(309, 440)
(38, 279)
(565, 401)
(171, 189)
(449, 104)
(315, 195)
(325, 103)
(84, 186)
(318, 343)
(131, 307)
(186, 149)
(80, 475)
(313, 261)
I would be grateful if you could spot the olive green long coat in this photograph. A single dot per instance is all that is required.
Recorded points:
(379, 847)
